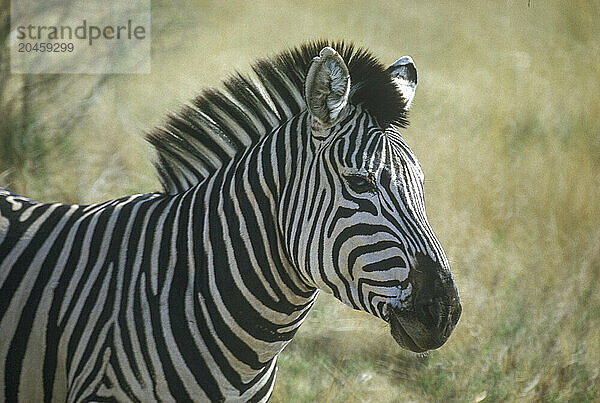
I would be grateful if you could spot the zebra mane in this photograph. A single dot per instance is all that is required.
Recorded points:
(220, 124)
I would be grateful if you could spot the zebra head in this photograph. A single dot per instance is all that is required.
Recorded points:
(364, 233)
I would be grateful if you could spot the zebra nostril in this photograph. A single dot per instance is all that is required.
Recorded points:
(429, 312)
(435, 314)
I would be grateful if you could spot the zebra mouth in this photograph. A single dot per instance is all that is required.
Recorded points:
(399, 332)
(417, 331)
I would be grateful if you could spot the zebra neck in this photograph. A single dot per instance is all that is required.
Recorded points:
(247, 288)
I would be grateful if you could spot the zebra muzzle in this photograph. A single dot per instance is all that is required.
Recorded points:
(426, 315)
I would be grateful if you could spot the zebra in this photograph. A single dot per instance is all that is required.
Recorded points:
(284, 183)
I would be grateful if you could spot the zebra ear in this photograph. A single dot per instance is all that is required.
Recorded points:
(404, 75)
(326, 88)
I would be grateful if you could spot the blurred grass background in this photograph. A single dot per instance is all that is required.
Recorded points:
(506, 124)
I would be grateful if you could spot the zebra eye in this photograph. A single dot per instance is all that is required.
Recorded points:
(360, 184)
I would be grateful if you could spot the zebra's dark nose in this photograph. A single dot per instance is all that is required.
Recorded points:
(428, 322)
(435, 299)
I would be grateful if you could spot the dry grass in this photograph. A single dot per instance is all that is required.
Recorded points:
(506, 123)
